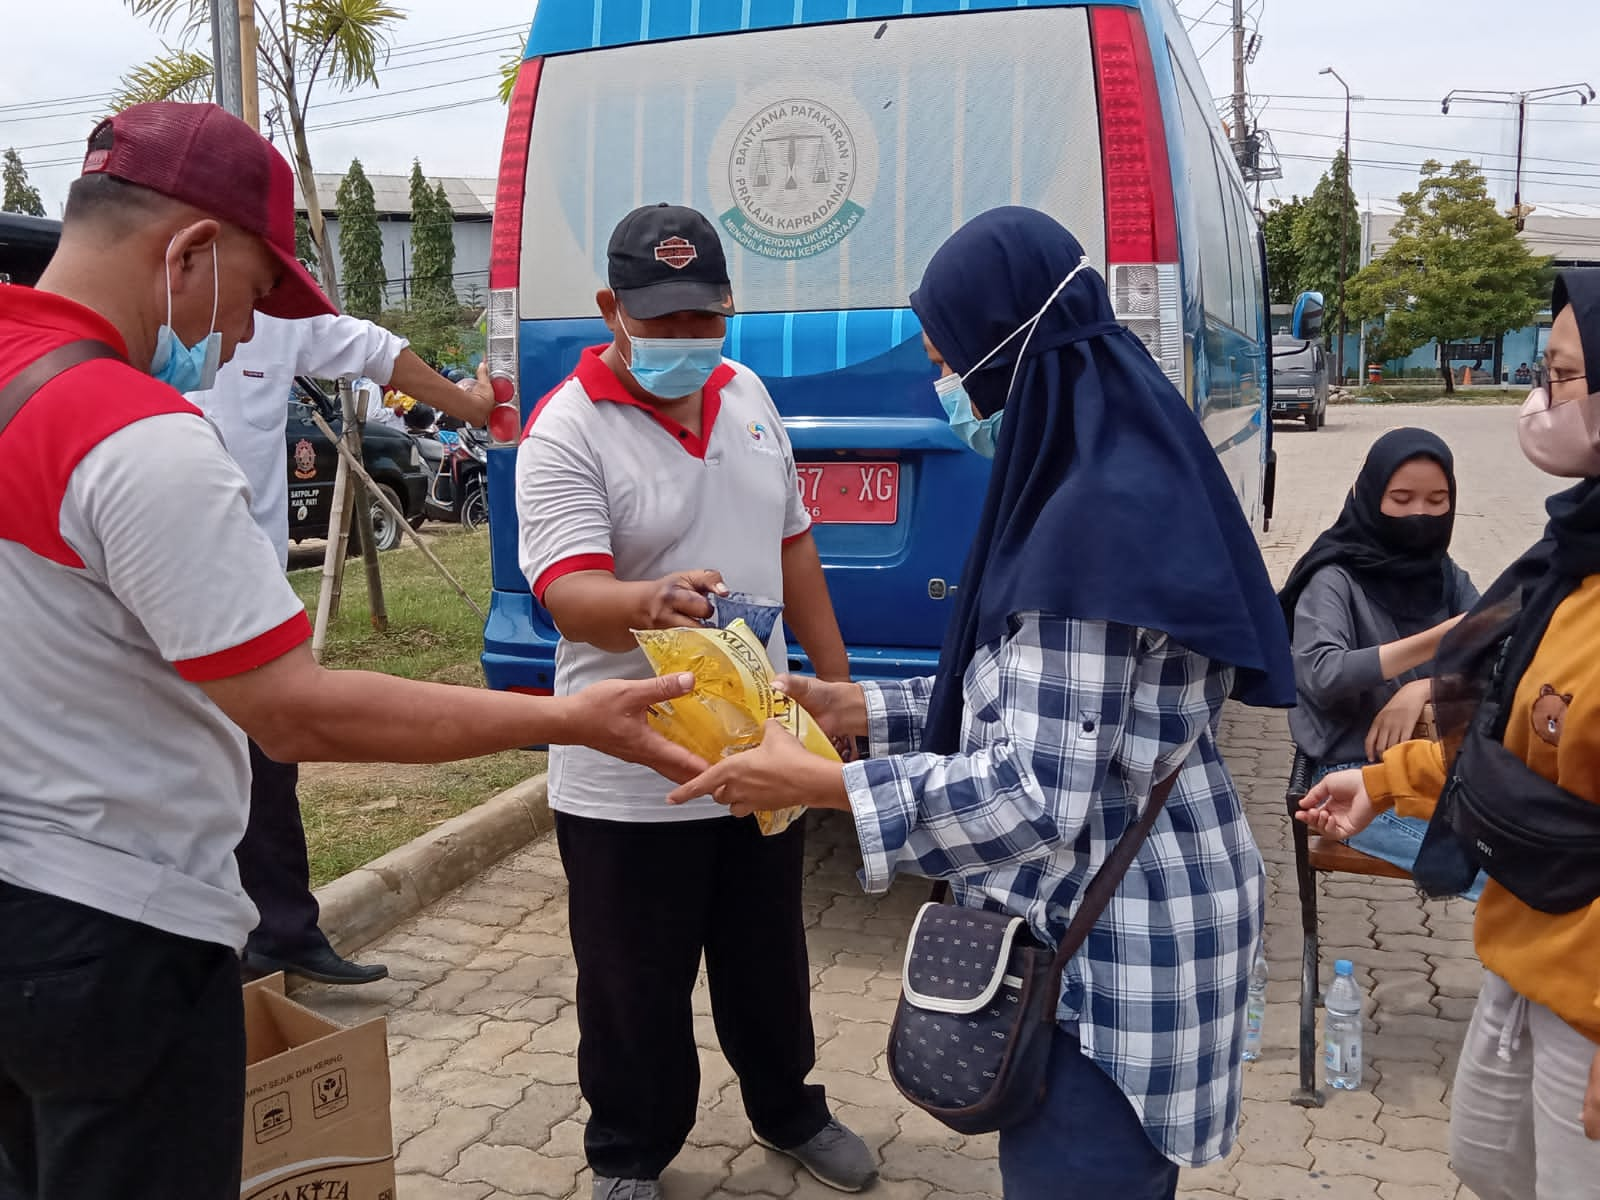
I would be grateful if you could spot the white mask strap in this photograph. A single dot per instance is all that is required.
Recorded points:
(216, 284)
(1032, 322)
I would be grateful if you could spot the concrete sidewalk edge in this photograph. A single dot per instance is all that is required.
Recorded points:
(367, 903)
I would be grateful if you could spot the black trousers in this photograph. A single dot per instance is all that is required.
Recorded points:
(645, 901)
(121, 1057)
(273, 864)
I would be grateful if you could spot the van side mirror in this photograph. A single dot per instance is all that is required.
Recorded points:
(1307, 323)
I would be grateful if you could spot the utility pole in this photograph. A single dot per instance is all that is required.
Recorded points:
(1241, 114)
(249, 47)
(1583, 92)
(1344, 221)
(225, 57)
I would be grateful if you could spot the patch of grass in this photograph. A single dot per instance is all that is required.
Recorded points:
(432, 633)
(355, 813)
(1435, 394)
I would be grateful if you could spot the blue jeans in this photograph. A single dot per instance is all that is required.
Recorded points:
(1085, 1141)
(1391, 837)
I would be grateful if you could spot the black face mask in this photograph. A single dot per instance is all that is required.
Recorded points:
(1419, 535)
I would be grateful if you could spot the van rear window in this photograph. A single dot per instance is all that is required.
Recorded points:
(834, 158)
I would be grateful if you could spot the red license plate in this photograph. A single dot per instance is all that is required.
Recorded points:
(855, 493)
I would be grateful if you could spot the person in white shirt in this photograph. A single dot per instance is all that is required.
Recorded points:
(249, 405)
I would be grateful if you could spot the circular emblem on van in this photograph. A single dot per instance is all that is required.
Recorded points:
(792, 170)
(305, 460)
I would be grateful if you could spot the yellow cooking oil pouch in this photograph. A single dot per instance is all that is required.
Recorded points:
(733, 698)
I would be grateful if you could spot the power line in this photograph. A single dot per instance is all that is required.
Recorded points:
(1571, 162)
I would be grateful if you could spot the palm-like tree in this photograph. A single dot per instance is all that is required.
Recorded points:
(303, 43)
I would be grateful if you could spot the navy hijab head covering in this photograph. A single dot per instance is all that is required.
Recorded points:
(1106, 502)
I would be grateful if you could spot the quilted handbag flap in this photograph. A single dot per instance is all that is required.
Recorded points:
(958, 957)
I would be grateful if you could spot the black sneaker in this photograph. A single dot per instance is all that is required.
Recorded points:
(835, 1156)
(321, 965)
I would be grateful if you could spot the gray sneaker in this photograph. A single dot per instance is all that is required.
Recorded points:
(626, 1189)
(835, 1156)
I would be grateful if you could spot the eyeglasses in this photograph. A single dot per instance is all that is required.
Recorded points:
(1543, 379)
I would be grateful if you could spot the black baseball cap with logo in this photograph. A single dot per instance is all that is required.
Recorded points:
(667, 259)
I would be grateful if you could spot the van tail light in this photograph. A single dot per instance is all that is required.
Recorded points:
(1141, 220)
(505, 259)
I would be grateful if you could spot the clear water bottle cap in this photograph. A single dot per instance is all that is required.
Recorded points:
(1344, 967)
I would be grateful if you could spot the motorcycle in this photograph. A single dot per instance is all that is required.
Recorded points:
(458, 462)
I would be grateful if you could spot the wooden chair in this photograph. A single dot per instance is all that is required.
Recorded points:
(1313, 853)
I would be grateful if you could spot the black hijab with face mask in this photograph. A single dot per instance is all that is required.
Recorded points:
(1401, 563)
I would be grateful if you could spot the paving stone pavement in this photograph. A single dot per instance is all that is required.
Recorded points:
(481, 1000)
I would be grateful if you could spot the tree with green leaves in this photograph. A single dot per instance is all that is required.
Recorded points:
(1457, 269)
(20, 195)
(424, 264)
(1283, 256)
(444, 234)
(1327, 232)
(303, 43)
(360, 244)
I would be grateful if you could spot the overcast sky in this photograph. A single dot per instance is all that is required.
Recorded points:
(61, 56)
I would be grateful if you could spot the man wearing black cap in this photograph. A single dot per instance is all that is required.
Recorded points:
(656, 473)
(148, 629)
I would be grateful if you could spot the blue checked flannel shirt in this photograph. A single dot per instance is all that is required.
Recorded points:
(1069, 725)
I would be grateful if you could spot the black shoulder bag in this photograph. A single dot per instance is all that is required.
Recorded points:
(1534, 838)
(972, 1033)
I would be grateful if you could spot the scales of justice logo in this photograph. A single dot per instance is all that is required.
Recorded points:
(793, 170)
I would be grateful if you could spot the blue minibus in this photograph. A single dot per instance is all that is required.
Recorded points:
(837, 143)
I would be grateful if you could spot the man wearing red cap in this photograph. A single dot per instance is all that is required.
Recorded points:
(148, 630)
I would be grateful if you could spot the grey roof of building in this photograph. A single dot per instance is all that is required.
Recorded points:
(470, 196)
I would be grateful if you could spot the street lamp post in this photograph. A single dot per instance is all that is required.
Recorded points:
(1583, 92)
(1344, 219)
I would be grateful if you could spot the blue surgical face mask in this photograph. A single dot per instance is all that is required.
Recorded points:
(672, 367)
(189, 368)
(982, 433)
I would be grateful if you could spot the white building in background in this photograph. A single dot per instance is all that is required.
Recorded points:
(472, 201)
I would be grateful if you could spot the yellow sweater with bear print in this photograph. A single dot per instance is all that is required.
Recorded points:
(1553, 960)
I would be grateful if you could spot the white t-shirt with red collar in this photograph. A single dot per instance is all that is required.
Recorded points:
(607, 482)
(130, 572)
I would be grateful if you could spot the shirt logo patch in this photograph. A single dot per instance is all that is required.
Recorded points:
(254, 374)
(677, 253)
(758, 431)
(305, 460)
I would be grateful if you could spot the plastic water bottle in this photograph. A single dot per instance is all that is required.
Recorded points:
(1256, 1007)
(1342, 1028)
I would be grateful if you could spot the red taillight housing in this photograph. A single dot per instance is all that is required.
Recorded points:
(501, 351)
(1141, 225)
(1141, 219)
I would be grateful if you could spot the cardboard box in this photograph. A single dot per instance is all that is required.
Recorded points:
(316, 1103)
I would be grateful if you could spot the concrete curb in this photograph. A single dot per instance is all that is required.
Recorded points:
(368, 902)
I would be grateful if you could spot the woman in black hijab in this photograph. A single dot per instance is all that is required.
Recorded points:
(1525, 1122)
(1367, 607)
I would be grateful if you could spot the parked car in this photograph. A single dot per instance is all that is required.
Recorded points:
(1299, 380)
(26, 244)
(391, 458)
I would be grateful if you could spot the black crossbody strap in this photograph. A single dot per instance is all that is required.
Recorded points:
(27, 382)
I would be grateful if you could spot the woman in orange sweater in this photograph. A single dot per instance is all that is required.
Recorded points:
(1525, 1120)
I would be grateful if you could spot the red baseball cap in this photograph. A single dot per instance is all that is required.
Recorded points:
(206, 157)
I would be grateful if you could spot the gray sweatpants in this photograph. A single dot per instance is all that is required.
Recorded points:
(1516, 1122)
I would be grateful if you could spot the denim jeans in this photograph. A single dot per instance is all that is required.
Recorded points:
(1391, 837)
(121, 1057)
(1085, 1142)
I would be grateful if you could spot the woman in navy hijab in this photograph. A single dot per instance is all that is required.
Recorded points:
(1113, 599)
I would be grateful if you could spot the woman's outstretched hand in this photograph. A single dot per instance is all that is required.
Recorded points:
(1339, 806)
(779, 773)
(839, 708)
